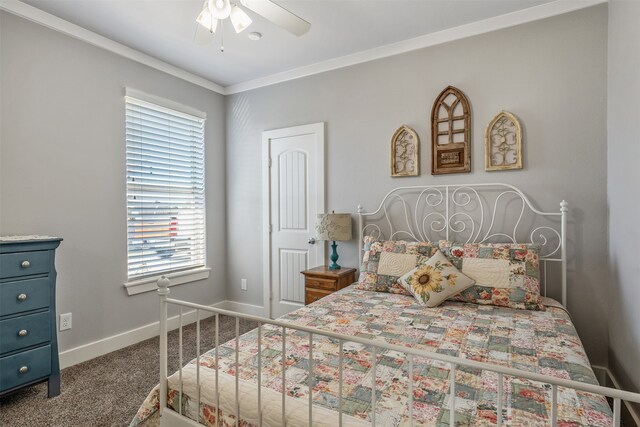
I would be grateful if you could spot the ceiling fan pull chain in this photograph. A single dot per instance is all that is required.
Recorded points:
(222, 36)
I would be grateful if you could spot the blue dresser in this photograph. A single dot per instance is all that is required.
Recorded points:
(28, 341)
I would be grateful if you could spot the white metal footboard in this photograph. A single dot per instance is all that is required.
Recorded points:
(171, 418)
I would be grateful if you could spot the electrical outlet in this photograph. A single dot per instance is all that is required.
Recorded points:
(65, 321)
(243, 284)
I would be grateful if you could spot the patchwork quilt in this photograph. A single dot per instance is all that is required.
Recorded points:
(545, 342)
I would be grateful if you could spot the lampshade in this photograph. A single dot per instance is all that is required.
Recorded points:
(239, 19)
(334, 226)
(207, 20)
(220, 9)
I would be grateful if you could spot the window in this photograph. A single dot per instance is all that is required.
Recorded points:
(165, 188)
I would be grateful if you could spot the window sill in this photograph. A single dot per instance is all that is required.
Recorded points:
(148, 284)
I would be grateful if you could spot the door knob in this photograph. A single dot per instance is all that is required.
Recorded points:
(312, 241)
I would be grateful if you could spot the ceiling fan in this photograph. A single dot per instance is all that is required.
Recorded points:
(216, 11)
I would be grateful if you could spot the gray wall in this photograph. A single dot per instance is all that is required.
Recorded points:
(624, 204)
(62, 151)
(551, 73)
(62, 160)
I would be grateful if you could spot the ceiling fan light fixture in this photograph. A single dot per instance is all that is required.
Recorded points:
(239, 19)
(220, 9)
(207, 20)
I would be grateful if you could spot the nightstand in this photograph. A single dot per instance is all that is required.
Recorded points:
(320, 281)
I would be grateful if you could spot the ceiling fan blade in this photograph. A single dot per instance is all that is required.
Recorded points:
(278, 15)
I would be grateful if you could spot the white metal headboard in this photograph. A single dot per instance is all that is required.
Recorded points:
(467, 213)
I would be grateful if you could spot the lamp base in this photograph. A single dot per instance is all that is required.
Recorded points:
(334, 257)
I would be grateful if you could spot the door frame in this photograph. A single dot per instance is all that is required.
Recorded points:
(319, 130)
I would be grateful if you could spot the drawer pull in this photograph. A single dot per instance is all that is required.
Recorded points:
(22, 297)
(24, 370)
(23, 333)
(25, 264)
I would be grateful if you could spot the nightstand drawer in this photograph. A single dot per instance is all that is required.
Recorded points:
(25, 331)
(317, 283)
(24, 295)
(25, 367)
(322, 281)
(313, 295)
(24, 263)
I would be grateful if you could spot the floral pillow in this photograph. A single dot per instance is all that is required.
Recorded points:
(434, 281)
(385, 261)
(506, 274)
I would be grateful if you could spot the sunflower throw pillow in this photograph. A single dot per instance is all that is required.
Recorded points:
(435, 281)
(385, 261)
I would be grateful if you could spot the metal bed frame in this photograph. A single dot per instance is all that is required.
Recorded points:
(469, 213)
(466, 213)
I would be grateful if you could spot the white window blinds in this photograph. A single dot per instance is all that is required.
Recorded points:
(165, 189)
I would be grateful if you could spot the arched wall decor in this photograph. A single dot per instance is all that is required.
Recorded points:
(450, 133)
(405, 152)
(503, 143)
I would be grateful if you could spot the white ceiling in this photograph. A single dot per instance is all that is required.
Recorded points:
(165, 29)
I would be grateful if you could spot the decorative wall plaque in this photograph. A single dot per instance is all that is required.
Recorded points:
(450, 133)
(405, 152)
(503, 143)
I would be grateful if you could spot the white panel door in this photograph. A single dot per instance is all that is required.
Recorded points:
(295, 196)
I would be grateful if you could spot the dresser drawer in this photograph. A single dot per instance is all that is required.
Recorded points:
(313, 295)
(317, 283)
(25, 331)
(18, 264)
(24, 367)
(24, 295)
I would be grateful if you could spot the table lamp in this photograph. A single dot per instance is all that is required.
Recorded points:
(335, 227)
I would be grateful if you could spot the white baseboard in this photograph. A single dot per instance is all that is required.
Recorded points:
(240, 307)
(106, 345)
(605, 374)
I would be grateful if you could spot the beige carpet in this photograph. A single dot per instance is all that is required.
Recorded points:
(108, 390)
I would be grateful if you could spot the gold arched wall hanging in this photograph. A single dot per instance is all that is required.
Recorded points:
(503, 143)
(450, 133)
(405, 152)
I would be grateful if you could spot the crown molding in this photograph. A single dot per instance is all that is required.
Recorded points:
(48, 20)
(512, 19)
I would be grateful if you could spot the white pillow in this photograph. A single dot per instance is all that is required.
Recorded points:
(488, 272)
(435, 281)
(393, 264)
